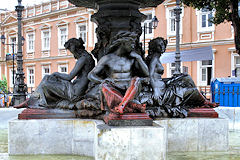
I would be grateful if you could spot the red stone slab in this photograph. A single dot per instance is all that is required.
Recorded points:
(46, 114)
(203, 112)
(128, 119)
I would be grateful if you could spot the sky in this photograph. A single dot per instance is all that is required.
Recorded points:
(10, 4)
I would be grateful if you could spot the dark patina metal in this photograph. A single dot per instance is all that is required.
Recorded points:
(124, 85)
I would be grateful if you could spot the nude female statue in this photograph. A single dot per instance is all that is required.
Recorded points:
(57, 90)
(122, 64)
(176, 94)
(157, 46)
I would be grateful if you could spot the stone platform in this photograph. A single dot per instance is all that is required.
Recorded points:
(196, 134)
(52, 136)
(94, 138)
(130, 143)
(86, 137)
(232, 114)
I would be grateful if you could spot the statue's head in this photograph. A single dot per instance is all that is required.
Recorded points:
(74, 45)
(158, 45)
(124, 40)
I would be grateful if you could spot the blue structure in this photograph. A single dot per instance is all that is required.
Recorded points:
(226, 91)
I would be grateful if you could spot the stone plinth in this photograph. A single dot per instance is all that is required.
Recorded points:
(130, 143)
(196, 134)
(52, 136)
(232, 114)
(94, 138)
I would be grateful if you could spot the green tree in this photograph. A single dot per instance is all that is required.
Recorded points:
(225, 10)
(3, 85)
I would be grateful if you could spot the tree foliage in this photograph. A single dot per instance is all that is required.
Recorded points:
(225, 10)
(3, 85)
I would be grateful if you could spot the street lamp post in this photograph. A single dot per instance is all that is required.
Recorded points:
(13, 50)
(20, 88)
(155, 24)
(177, 12)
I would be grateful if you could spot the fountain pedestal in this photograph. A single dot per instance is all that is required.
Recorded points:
(94, 138)
(128, 142)
(87, 138)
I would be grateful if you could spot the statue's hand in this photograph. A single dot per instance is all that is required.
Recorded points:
(109, 80)
(156, 95)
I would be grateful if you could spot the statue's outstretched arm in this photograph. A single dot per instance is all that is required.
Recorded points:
(141, 64)
(92, 76)
(78, 66)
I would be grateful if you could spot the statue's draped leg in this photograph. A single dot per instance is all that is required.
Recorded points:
(130, 94)
(112, 96)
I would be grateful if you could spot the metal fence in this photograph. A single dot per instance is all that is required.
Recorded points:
(206, 91)
(5, 99)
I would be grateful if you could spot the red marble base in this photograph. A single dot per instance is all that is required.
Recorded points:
(46, 114)
(111, 119)
(128, 119)
(203, 112)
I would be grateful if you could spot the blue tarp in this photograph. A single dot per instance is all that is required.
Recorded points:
(197, 54)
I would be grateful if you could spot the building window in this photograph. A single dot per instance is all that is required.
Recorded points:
(82, 32)
(45, 40)
(171, 68)
(45, 71)
(13, 40)
(148, 24)
(38, 9)
(63, 68)
(30, 77)
(171, 21)
(236, 66)
(204, 16)
(63, 34)
(46, 7)
(11, 77)
(54, 5)
(206, 72)
(149, 32)
(63, 3)
(30, 42)
(31, 11)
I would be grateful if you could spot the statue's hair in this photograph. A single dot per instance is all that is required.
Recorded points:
(79, 45)
(122, 36)
(80, 51)
(154, 42)
(153, 47)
